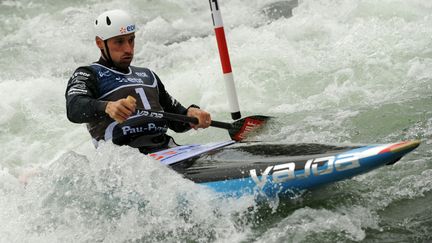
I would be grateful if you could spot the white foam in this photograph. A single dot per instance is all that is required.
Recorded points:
(337, 71)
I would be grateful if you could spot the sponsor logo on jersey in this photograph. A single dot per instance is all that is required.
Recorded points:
(149, 114)
(135, 80)
(78, 80)
(151, 127)
(79, 73)
(104, 73)
(129, 80)
(142, 74)
(78, 87)
(286, 172)
(74, 91)
(174, 102)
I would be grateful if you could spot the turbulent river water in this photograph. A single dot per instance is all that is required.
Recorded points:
(329, 71)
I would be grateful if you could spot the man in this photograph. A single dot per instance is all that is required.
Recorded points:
(110, 94)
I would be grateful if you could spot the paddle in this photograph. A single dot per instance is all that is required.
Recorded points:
(237, 130)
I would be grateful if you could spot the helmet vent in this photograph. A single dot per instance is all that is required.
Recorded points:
(96, 22)
(108, 20)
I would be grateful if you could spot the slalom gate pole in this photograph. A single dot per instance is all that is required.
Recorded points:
(225, 60)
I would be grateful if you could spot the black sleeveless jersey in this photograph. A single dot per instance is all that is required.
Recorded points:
(91, 87)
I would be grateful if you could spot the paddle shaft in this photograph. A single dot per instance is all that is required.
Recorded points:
(183, 118)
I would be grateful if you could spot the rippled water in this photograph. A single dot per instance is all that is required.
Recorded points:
(342, 71)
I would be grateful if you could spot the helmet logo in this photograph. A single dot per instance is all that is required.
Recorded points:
(129, 28)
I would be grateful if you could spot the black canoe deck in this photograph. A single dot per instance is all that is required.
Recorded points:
(234, 162)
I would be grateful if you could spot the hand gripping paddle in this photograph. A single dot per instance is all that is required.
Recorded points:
(237, 130)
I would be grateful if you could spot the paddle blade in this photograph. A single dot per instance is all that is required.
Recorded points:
(241, 128)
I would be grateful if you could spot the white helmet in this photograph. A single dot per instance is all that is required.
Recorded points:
(114, 23)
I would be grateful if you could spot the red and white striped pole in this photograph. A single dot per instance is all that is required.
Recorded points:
(225, 60)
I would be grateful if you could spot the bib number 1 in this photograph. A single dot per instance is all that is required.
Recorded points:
(144, 100)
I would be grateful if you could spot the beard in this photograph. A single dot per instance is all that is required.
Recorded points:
(123, 64)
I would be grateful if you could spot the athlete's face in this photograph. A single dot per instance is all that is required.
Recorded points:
(121, 49)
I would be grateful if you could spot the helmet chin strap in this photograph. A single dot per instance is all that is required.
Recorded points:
(107, 56)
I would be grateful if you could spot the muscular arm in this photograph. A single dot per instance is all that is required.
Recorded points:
(82, 105)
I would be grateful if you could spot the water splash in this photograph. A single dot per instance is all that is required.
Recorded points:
(116, 194)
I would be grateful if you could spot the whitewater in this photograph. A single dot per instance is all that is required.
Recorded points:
(328, 71)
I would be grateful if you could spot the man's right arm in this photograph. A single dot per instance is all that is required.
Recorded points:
(82, 105)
